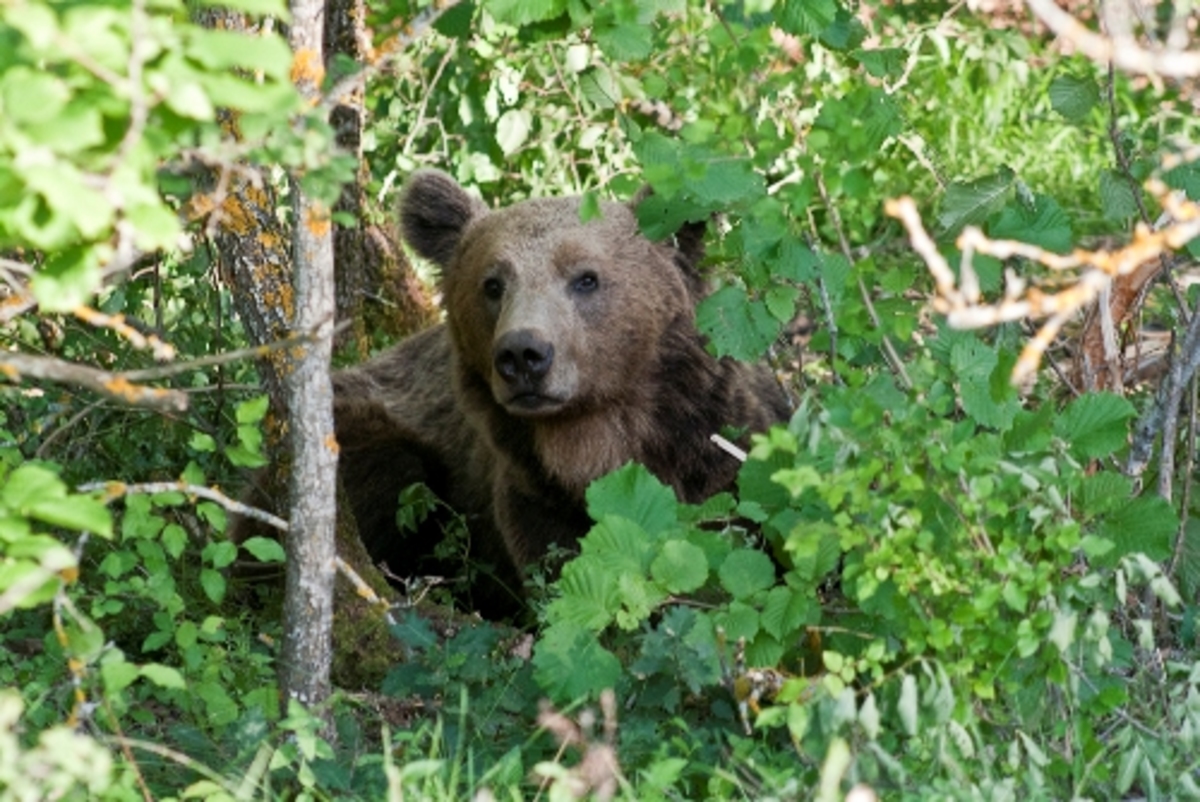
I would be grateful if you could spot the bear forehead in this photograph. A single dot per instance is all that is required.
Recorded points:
(549, 227)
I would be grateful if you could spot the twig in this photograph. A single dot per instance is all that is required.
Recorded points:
(115, 386)
(1185, 502)
(1122, 50)
(115, 490)
(960, 302)
(162, 351)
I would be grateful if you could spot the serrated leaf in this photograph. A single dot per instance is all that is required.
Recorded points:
(633, 493)
(569, 664)
(264, 549)
(1117, 197)
(735, 324)
(1095, 425)
(884, 62)
(1074, 97)
(784, 612)
(523, 12)
(975, 364)
(600, 86)
(810, 17)
(973, 202)
(680, 567)
(1146, 524)
(625, 41)
(1043, 223)
(745, 572)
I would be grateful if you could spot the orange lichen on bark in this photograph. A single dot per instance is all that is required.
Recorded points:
(307, 69)
(10, 372)
(331, 443)
(318, 221)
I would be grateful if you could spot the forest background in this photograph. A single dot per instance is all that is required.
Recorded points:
(967, 569)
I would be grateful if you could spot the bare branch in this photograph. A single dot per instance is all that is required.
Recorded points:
(1121, 49)
(960, 302)
(115, 386)
(162, 351)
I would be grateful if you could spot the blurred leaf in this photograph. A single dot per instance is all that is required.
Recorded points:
(971, 203)
(1074, 97)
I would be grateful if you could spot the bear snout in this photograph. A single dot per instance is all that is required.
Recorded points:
(522, 359)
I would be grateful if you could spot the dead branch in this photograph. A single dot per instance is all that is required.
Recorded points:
(1121, 47)
(15, 366)
(960, 299)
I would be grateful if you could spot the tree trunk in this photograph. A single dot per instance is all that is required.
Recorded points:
(307, 650)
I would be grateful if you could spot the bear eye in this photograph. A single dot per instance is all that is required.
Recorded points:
(586, 282)
(493, 288)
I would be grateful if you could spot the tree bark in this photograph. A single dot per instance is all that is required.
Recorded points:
(307, 649)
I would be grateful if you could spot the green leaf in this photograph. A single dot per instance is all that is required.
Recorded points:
(163, 676)
(736, 325)
(1044, 223)
(264, 549)
(626, 42)
(633, 493)
(1117, 197)
(1146, 524)
(810, 17)
(117, 674)
(569, 664)
(32, 96)
(975, 365)
(523, 12)
(213, 583)
(253, 410)
(785, 612)
(455, 22)
(1095, 425)
(69, 278)
(1074, 97)
(746, 572)
(973, 202)
(512, 130)
(680, 567)
(589, 207)
(886, 62)
(220, 555)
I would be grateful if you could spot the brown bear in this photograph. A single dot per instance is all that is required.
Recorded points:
(569, 349)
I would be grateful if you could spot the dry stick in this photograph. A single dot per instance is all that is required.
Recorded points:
(1124, 51)
(115, 386)
(1153, 420)
(162, 351)
(115, 490)
(964, 311)
(1185, 502)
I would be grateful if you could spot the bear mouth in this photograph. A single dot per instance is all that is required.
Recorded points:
(532, 405)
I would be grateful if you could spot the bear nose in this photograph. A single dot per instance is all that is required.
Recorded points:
(522, 356)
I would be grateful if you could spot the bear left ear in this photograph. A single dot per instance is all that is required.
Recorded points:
(434, 213)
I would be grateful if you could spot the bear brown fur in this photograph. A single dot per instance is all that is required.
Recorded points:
(569, 349)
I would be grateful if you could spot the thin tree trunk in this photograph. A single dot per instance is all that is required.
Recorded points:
(307, 649)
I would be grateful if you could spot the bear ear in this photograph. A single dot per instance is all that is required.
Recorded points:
(434, 213)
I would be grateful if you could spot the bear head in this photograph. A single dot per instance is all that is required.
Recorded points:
(554, 316)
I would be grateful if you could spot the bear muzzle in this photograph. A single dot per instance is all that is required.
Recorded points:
(523, 361)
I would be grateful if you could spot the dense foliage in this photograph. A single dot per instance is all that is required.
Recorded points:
(930, 581)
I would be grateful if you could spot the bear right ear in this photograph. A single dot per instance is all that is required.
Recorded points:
(434, 213)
